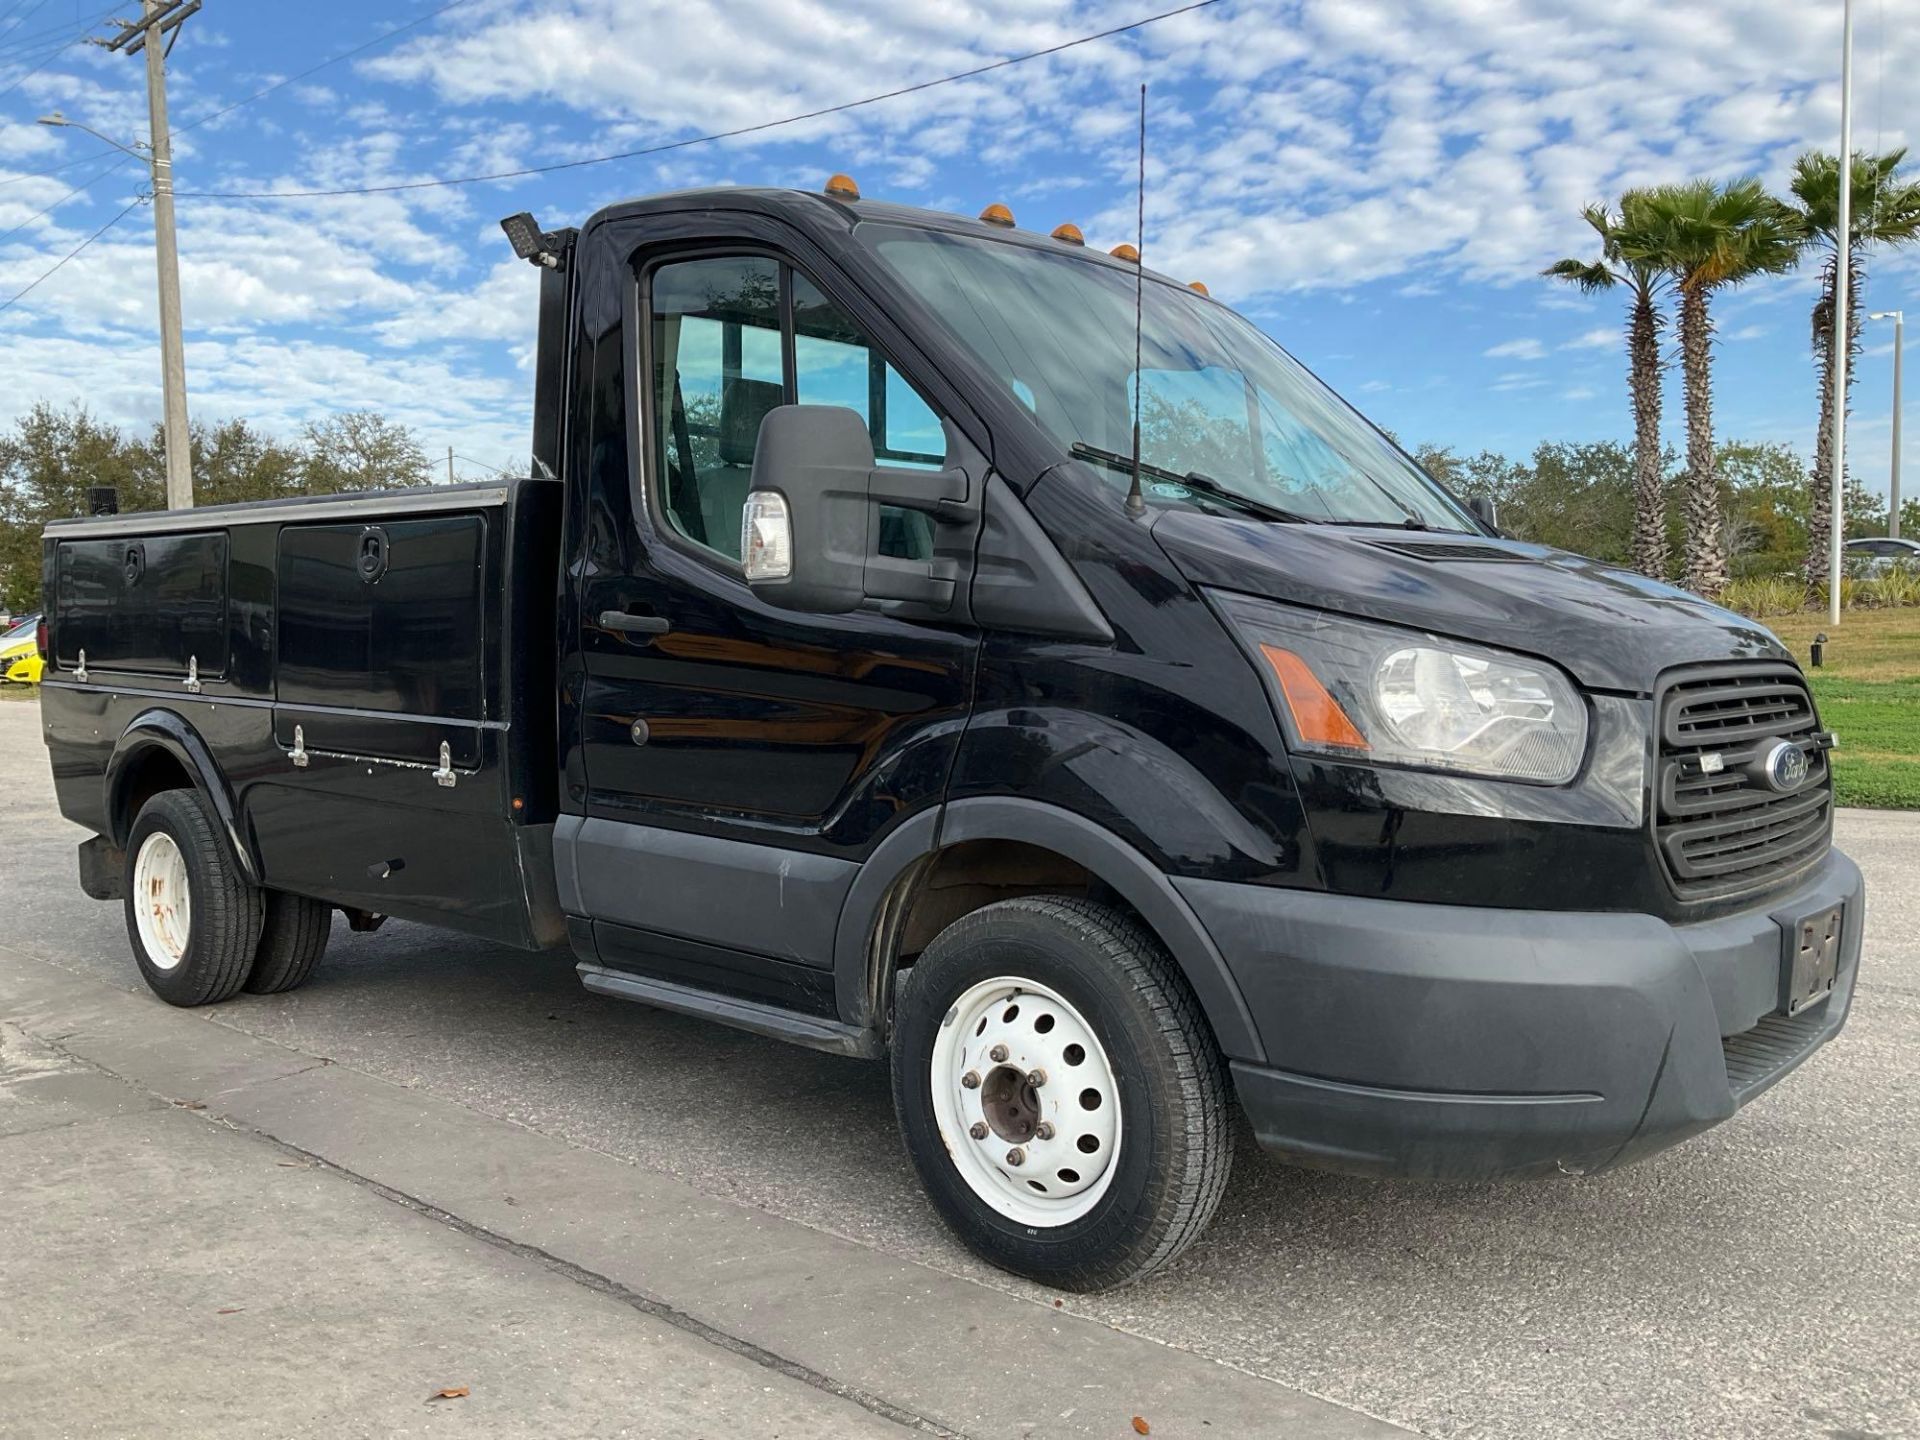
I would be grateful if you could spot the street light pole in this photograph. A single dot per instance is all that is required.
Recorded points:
(1842, 300)
(1899, 318)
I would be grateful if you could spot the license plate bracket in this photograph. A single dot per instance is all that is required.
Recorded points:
(1812, 961)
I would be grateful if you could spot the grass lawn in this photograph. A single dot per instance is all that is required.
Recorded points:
(1869, 694)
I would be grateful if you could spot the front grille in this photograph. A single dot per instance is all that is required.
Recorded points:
(1721, 830)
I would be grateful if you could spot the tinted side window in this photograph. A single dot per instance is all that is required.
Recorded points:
(717, 372)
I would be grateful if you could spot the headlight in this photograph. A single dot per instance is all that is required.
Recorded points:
(1382, 695)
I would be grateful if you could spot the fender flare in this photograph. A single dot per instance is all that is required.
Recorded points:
(1116, 863)
(164, 730)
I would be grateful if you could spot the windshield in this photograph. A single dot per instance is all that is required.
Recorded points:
(1217, 396)
(22, 629)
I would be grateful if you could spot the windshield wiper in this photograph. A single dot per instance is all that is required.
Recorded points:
(1194, 480)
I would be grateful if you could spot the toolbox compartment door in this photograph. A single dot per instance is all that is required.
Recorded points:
(383, 638)
(144, 605)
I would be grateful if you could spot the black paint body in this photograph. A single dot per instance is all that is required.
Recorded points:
(719, 804)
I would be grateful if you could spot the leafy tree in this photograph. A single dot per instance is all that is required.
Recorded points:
(1885, 210)
(1708, 236)
(361, 450)
(49, 459)
(47, 462)
(1626, 246)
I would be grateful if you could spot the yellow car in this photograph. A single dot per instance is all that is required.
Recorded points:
(20, 662)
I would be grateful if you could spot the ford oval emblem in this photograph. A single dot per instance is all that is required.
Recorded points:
(1785, 767)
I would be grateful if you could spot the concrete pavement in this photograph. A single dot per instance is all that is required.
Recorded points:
(1758, 1281)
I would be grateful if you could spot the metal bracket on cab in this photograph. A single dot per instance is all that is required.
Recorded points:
(192, 681)
(299, 752)
(444, 776)
(80, 670)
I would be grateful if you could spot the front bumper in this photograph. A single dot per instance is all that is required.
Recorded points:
(1457, 1042)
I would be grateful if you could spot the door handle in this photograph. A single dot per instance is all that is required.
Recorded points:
(632, 624)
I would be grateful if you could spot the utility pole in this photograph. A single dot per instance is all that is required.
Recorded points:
(1899, 318)
(158, 18)
(1842, 304)
(450, 464)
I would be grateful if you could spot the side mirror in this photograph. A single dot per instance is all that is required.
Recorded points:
(1485, 510)
(809, 531)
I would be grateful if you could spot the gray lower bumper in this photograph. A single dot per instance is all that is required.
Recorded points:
(1447, 1041)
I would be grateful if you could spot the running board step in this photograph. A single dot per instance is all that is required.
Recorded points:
(814, 1032)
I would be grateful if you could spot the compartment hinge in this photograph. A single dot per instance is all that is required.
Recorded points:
(299, 752)
(444, 776)
(192, 682)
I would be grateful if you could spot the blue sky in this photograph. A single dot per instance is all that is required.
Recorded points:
(1377, 185)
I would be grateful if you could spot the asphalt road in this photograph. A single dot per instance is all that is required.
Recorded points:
(1762, 1280)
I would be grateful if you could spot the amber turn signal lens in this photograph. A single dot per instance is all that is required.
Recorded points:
(1124, 251)
(1069, 234)
(1317, 716)
(841, 187)
(997, 214)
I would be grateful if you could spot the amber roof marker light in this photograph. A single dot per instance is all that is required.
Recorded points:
(1124, 251)
(841, 187)
(998, 214)
(1068, 233)
(1199, 287)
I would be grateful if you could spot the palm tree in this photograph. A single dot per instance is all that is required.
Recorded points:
(1885, 211)
(1708, 236)
(1620, 232)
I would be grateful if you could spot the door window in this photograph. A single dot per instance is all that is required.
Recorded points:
(734, 337)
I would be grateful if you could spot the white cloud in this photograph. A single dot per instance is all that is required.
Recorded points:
(1525, 348)
(1600, 338)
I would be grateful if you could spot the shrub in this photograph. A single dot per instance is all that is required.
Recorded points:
(1763, 595)
(1899, 585)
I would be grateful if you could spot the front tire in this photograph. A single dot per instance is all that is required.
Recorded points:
(192, 917)
(1060, 1092)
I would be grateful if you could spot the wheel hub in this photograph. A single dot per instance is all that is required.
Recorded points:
(1027, 1101)
(1012, 1105)
(163, 906)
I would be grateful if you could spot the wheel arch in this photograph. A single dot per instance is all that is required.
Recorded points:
(867, 946)
(156, 751)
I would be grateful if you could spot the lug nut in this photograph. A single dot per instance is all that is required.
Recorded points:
(979, 1130)
(971, 1079)
(1016, 1156)
(998, 1054)
(1043, 1131)
(1036, 1078)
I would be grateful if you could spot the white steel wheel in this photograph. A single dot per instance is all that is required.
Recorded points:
(1026, 1101)
(163, 901)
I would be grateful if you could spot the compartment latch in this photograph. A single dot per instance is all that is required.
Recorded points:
(299, 752)
(444, 776)
(192, 682)
(80, 669)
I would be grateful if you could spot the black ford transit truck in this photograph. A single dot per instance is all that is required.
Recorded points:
(836, 674)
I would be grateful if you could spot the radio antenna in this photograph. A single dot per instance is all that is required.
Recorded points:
(1136, 502)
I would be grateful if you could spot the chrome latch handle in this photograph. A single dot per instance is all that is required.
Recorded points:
(80, 670)
(192, 681)
(299, 752)
(444, 776)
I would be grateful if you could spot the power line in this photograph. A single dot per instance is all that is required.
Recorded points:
(48, 58)
(699, 139)
(56, 169)
(335, 60)
(114, 164)
(21, 295)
